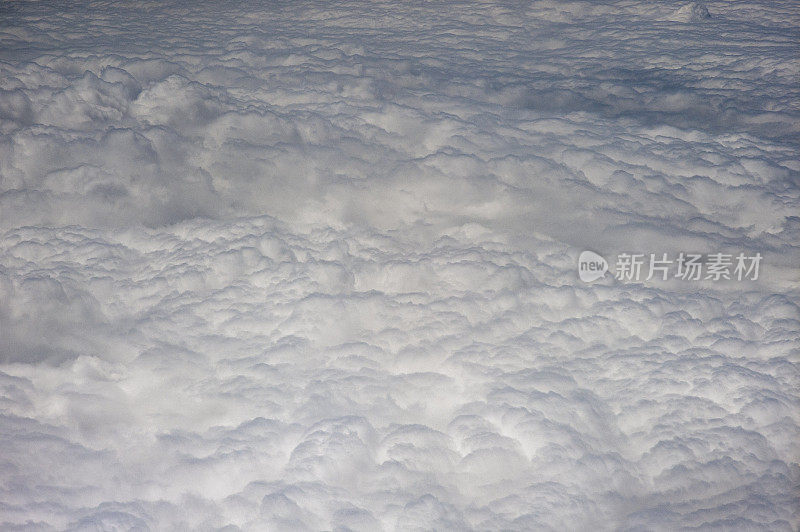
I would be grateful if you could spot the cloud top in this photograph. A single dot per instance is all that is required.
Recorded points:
(314, 266)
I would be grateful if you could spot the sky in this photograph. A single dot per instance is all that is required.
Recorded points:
(316, 265)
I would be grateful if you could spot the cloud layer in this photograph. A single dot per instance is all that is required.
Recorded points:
(312, 266)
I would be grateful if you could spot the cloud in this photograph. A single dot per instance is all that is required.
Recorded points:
(297, 267)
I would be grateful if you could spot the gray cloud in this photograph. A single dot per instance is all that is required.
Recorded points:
(305, 266)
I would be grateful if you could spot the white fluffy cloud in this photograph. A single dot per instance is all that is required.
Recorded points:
(312, 266)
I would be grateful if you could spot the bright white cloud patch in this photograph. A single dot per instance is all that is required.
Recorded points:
(313, 265)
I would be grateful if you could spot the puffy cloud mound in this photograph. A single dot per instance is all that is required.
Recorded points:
(312, 266)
